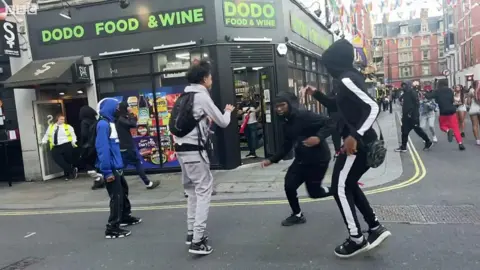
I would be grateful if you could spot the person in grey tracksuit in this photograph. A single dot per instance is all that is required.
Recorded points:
(192, 154)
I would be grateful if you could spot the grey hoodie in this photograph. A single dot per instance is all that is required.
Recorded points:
(203, 106)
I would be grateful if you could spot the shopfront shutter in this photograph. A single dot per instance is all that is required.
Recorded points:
(258, 54)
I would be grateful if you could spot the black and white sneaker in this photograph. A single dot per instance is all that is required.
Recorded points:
(450, 135)
(349, 248)
(376, 237)
(129, 221)
(461, 147)
(153, 184)
(189, 238)
(401, 149)
(75, 173)
(200, 248)
(294, 220)
(428, 145)
(113, 233)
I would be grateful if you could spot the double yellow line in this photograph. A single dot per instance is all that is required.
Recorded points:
(419, 167)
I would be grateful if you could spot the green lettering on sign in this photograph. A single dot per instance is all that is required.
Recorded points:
(126, 25)
(320, 39)
(249, 14)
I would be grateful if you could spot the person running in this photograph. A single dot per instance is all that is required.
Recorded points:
(125, 120)
(191, 150)
(109, 163)
(358, 113)
(307, 131)
(444, 97)
(88, 118)
(62, 141)
(459, 102)
(474, 104)
(410, 118)
(428, 109)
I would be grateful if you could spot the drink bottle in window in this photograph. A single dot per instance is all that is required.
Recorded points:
(143, 111)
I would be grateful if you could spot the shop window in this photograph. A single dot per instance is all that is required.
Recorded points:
(124, 85)
(472, 53)
(425, 70)
(308, 63)
(298, 80)
(299, 60)
(314, 64)
(173, 60)
(123, 66)
(290, 57)
(291, 86)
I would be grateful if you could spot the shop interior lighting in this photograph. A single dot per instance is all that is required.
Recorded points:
(176, 45)
(119, 52)
(61, 93)
(65, 13)
(205, 55)
(80, 92)
(240, 68)
(240, 39)
(183, 56)
(257, 68)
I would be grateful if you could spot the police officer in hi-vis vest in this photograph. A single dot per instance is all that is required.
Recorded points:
(62, 139)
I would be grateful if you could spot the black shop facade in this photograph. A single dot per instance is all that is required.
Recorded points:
(140, 55)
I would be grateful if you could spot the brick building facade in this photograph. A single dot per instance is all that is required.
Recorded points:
(411, 50)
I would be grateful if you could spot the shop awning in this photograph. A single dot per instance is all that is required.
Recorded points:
(65, 70)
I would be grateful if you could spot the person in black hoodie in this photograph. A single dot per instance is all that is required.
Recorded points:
(411, 118)
(88, 118)
(126, 120)
(448, 112)
(307, 131)
(358, 113)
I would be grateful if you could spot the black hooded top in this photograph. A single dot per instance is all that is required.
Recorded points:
(357, 110)
(125, 121)
(444, 97)
(299, 125)
(410, 102)
(88, 117)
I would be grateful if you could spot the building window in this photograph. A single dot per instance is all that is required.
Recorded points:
(424, 27)
(404, 43)
(405, 72)
(472, 53)
(425, 70)
(450, 19)
(441, 26)
(404, 29)
(405, 57)
(172, 61)
(425, 54)
(440, 52)
(123, 66)
(465, 57)
(290, 57)
(442, 67)
(378, 31)
(425, 40)
(469, 28)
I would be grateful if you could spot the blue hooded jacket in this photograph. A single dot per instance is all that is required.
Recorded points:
(107, 143)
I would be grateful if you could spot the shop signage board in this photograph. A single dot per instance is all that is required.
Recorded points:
(319, 38)
(249, 14)
(81, 73)
(124, 25)
(10, 43)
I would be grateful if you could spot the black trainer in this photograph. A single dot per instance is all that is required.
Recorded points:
(100, 184)
(461, 147)
(376, 237)
(113, 233)
(189, 238)
(129, 221)
(153, 184)
(349, 248)
(428, 145)
(294, 220)
(200, 248)
(401, 149)
(450, 135)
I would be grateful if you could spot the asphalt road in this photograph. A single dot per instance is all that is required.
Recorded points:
(250, 237)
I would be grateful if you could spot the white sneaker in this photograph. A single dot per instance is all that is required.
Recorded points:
(478, 142)
(434, 139)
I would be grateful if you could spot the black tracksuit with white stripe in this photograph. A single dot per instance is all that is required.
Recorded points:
(358, 112)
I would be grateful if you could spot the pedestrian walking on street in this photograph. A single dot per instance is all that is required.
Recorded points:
(474, 104)
(62, 140)
(109, 163)
(428, 109)
(190, 126)
(359, 111)
(459, 102)
(125, 120)
(411, 118)
(444, 97)
(307, 131)
(88, 155)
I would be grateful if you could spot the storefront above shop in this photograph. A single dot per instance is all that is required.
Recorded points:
(58, 71)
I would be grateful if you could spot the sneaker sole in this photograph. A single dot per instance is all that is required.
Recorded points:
(400, 151)
(188, 243)
(293, 224)
(362, 250)
(380, 239)
(115, 237)
(200, 252)
(130, 224)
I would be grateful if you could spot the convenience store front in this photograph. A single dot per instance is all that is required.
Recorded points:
(140, 55)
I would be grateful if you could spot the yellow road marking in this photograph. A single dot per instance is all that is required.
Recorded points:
(420, 173)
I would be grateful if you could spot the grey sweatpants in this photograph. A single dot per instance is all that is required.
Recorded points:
(198, 184)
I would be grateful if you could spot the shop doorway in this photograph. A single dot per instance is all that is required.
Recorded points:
(252, 90)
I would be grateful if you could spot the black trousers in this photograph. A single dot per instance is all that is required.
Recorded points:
(63, 156)
(312, 175)
(407, 125)
(120, 207)
(88, 157)
(337, 140)
(346, 173)
(132, 157)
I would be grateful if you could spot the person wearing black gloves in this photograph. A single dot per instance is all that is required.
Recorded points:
(411, 118)
(358, 113)
(307, 131)
(125, 121)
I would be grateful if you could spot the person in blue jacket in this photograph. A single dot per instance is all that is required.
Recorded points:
(110, 164)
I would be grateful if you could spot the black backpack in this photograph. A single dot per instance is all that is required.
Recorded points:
(182, 120)
(92, 137)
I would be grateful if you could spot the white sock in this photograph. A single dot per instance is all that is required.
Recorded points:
(299, 214)
(357, 240)
(190, 232)
(326, 189)
(150, 184)
(374, 228)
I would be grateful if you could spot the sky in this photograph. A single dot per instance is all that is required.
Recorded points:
(407, 8)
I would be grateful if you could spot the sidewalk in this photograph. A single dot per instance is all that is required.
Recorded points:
(248, 182)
